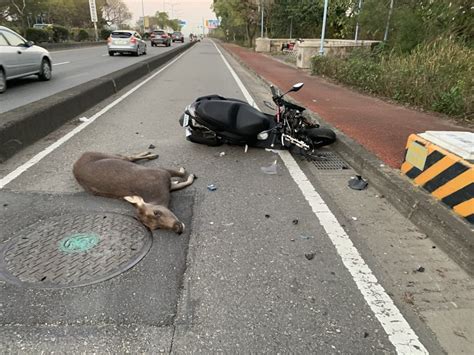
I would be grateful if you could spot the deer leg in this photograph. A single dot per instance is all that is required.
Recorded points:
(177, 173)
(182, 185)
(139, 156)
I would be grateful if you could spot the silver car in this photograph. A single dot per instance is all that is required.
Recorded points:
(19, 57)
(125, 41)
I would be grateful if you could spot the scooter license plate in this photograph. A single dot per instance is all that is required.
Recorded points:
(186, 120)
(188, 132)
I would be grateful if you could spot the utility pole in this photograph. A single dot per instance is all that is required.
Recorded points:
(143, 14)
(385, 36)
(323, 30)
(291, 27)
(357, 24)
(261, 22)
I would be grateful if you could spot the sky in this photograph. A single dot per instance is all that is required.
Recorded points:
(192, 11)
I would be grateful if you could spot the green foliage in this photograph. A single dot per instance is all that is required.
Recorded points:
(104, 33)
(239, 19)
(83, 35)
(438, 75)
(37, 35)
(59, 33)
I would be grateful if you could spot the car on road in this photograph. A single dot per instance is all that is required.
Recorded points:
(177, 37)
(126, 41)
(160, 37)
(19, 58)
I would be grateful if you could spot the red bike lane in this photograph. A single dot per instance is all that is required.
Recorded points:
(381, 127)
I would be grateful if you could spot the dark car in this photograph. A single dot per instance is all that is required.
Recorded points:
(177, 37)
(160, 37)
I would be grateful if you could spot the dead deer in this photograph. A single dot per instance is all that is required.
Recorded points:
(148, 189)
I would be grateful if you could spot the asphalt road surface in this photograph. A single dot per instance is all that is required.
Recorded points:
(294, 262)
(70, 68)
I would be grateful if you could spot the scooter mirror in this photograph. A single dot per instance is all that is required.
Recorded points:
(297, 86)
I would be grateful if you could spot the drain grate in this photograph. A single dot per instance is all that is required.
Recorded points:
(328, 160)
(73, 250)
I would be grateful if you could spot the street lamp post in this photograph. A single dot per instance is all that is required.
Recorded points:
(357, 24)
(323, 30)
(385, 36)
(143, 16)
(261, 21)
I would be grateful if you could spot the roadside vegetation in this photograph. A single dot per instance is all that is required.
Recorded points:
(425, 58)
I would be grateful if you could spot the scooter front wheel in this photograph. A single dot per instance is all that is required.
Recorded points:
(321, 136)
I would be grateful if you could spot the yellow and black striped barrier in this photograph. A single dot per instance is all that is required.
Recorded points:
(446, 176)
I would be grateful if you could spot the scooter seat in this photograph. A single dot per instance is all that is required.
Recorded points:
(232, 116)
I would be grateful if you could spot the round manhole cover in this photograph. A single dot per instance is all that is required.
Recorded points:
(74, 250)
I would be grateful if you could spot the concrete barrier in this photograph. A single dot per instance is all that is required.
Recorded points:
(25, 125)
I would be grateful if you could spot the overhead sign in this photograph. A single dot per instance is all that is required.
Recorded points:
(212, 24)
(93, 9)
(183, 22)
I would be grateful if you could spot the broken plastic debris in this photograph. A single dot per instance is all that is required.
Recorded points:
(221, 154)
(271, 150)
(151, 146)
(246, 148)
(309, 256)
(420, 269)
(295, 221)
(267, 216)
(354, 218)
(358, 183)
(212, 187)
(305, 237)
(83, 119)
(271, 169)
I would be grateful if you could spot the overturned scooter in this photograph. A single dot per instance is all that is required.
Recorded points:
(215, 120)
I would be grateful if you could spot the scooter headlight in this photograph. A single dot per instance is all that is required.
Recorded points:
(191, 110)
(262, 136)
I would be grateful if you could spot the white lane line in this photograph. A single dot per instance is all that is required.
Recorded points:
(38, 157)
(399, 332)
(62, 63)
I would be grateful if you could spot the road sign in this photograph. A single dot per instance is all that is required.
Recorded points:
(93, 9)
(183, 22)
(212, 24)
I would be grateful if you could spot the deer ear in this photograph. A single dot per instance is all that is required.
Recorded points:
(135, 200)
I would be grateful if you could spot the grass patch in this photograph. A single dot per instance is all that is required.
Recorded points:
(437, 76)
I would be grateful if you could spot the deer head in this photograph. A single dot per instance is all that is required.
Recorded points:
(155, 216)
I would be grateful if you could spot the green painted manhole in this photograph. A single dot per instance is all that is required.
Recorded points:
(78, 243)
(73, 250)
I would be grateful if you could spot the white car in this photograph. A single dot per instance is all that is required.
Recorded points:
(125, 41)
(19, 57)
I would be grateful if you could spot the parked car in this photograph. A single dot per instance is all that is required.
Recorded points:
(177, 37)
(160, 37)
(19, 58)
(126, 41)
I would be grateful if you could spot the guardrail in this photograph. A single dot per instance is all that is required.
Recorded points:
(25, 125)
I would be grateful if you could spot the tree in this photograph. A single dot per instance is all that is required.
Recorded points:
(239, 18)
(115, 12)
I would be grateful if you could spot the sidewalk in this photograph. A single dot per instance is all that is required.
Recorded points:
(381, 127)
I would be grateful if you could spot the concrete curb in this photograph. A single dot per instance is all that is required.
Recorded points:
(450, 232)
(25, 125)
